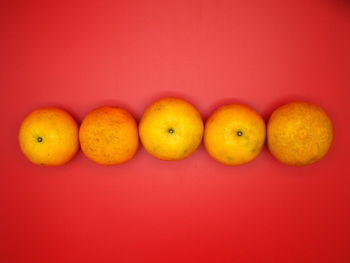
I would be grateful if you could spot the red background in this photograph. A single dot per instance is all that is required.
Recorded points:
(82, 54)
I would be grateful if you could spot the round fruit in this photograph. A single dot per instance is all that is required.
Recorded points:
(171, 129)
(109, 136)
(299, 133)
(49, 137)
(234, 134)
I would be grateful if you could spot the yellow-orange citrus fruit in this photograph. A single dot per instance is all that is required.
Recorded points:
(299, 133)
(171, 129)
(49, 136)
(234, 134)
(108, 136)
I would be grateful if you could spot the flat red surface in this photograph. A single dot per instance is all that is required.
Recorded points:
(82, 54)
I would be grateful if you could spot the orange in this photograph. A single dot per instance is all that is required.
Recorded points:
(234, 134)
(299, 133)
(49, 136)
(171, 129)
(109, 136)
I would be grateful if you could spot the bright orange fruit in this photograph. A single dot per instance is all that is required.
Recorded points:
(299, 133)
(171, 129)
(49, 136)
(234, 134)
(109, 136)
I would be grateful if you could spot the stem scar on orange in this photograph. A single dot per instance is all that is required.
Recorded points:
(171, 129)
(299, 133)
(109, 136)
(234, 134)
(49, 136)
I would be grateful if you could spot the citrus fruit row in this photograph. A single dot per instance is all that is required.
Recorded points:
(297, 133)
